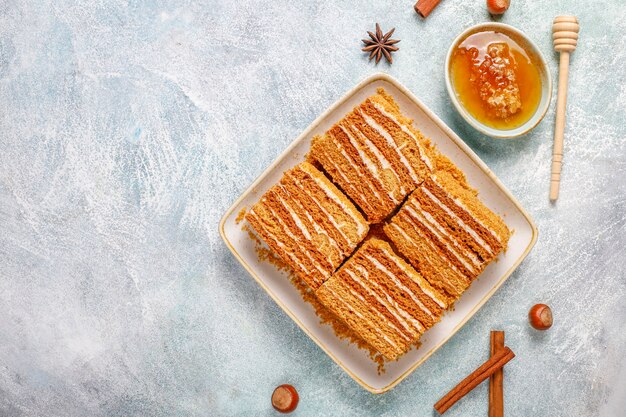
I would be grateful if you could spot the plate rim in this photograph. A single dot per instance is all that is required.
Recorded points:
(461, 144)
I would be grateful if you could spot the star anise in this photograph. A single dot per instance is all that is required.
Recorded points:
(380, 45)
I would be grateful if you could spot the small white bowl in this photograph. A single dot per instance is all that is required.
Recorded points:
(531, 49)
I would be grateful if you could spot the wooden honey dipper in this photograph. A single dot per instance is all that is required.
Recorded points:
(565, 37)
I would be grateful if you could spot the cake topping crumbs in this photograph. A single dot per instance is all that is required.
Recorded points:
(240, 216)
(264, 253)
(380, 45)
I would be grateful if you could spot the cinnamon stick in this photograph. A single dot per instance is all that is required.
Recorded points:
(424, 7)
(483, 372)
(496, 390)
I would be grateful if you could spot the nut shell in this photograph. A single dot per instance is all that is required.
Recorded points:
(285, 398)
(540, 317)
(497, 7)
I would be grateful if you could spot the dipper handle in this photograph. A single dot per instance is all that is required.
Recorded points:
(565, 37)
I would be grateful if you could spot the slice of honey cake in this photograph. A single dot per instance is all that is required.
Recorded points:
(434, 160)
(309, 223)
(374, 155)
(447, 233)
(382, 298)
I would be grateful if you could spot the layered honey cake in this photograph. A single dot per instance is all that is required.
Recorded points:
(382, 298)
(384, 230)
(375, 156)
(447, 233)
(308, 223)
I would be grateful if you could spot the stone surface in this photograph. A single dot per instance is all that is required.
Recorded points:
(127, 128)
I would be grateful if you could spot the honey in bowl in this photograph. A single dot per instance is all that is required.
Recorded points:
(496, 80)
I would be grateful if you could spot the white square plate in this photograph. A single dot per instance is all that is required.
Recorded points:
(354, 361)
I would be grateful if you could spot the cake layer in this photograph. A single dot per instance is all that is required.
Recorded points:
(374, 155)
(447, 233)
(382, 298)
(309, 223)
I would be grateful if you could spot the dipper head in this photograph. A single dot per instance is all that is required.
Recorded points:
(565, 33)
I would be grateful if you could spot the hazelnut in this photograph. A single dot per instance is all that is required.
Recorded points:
(540, 317)
(285, 398)
(498, 6)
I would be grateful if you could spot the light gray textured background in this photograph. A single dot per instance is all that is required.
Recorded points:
(128, 127)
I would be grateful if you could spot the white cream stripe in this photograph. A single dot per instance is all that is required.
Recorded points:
(459, 221)
(362, 317)
(428, 258)
(295, 240)
(410, 239)
(392, 144)
(388, 302)
(432, 245)
(407, 334)
(406, 130)
(302, 227)
(379, 314)
(347, 182)
(361, 228)
(395, 280)
(318, 229)
(429, 217)
(426, 291)
(371, 166)
(462, 206)
(296, 219)
(384, 162)
(281, 245)
(420, 218)
(352, 163)
(306, 191)
(403, 312)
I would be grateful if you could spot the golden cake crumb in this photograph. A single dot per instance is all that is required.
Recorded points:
(264, 253)
(240, 216)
